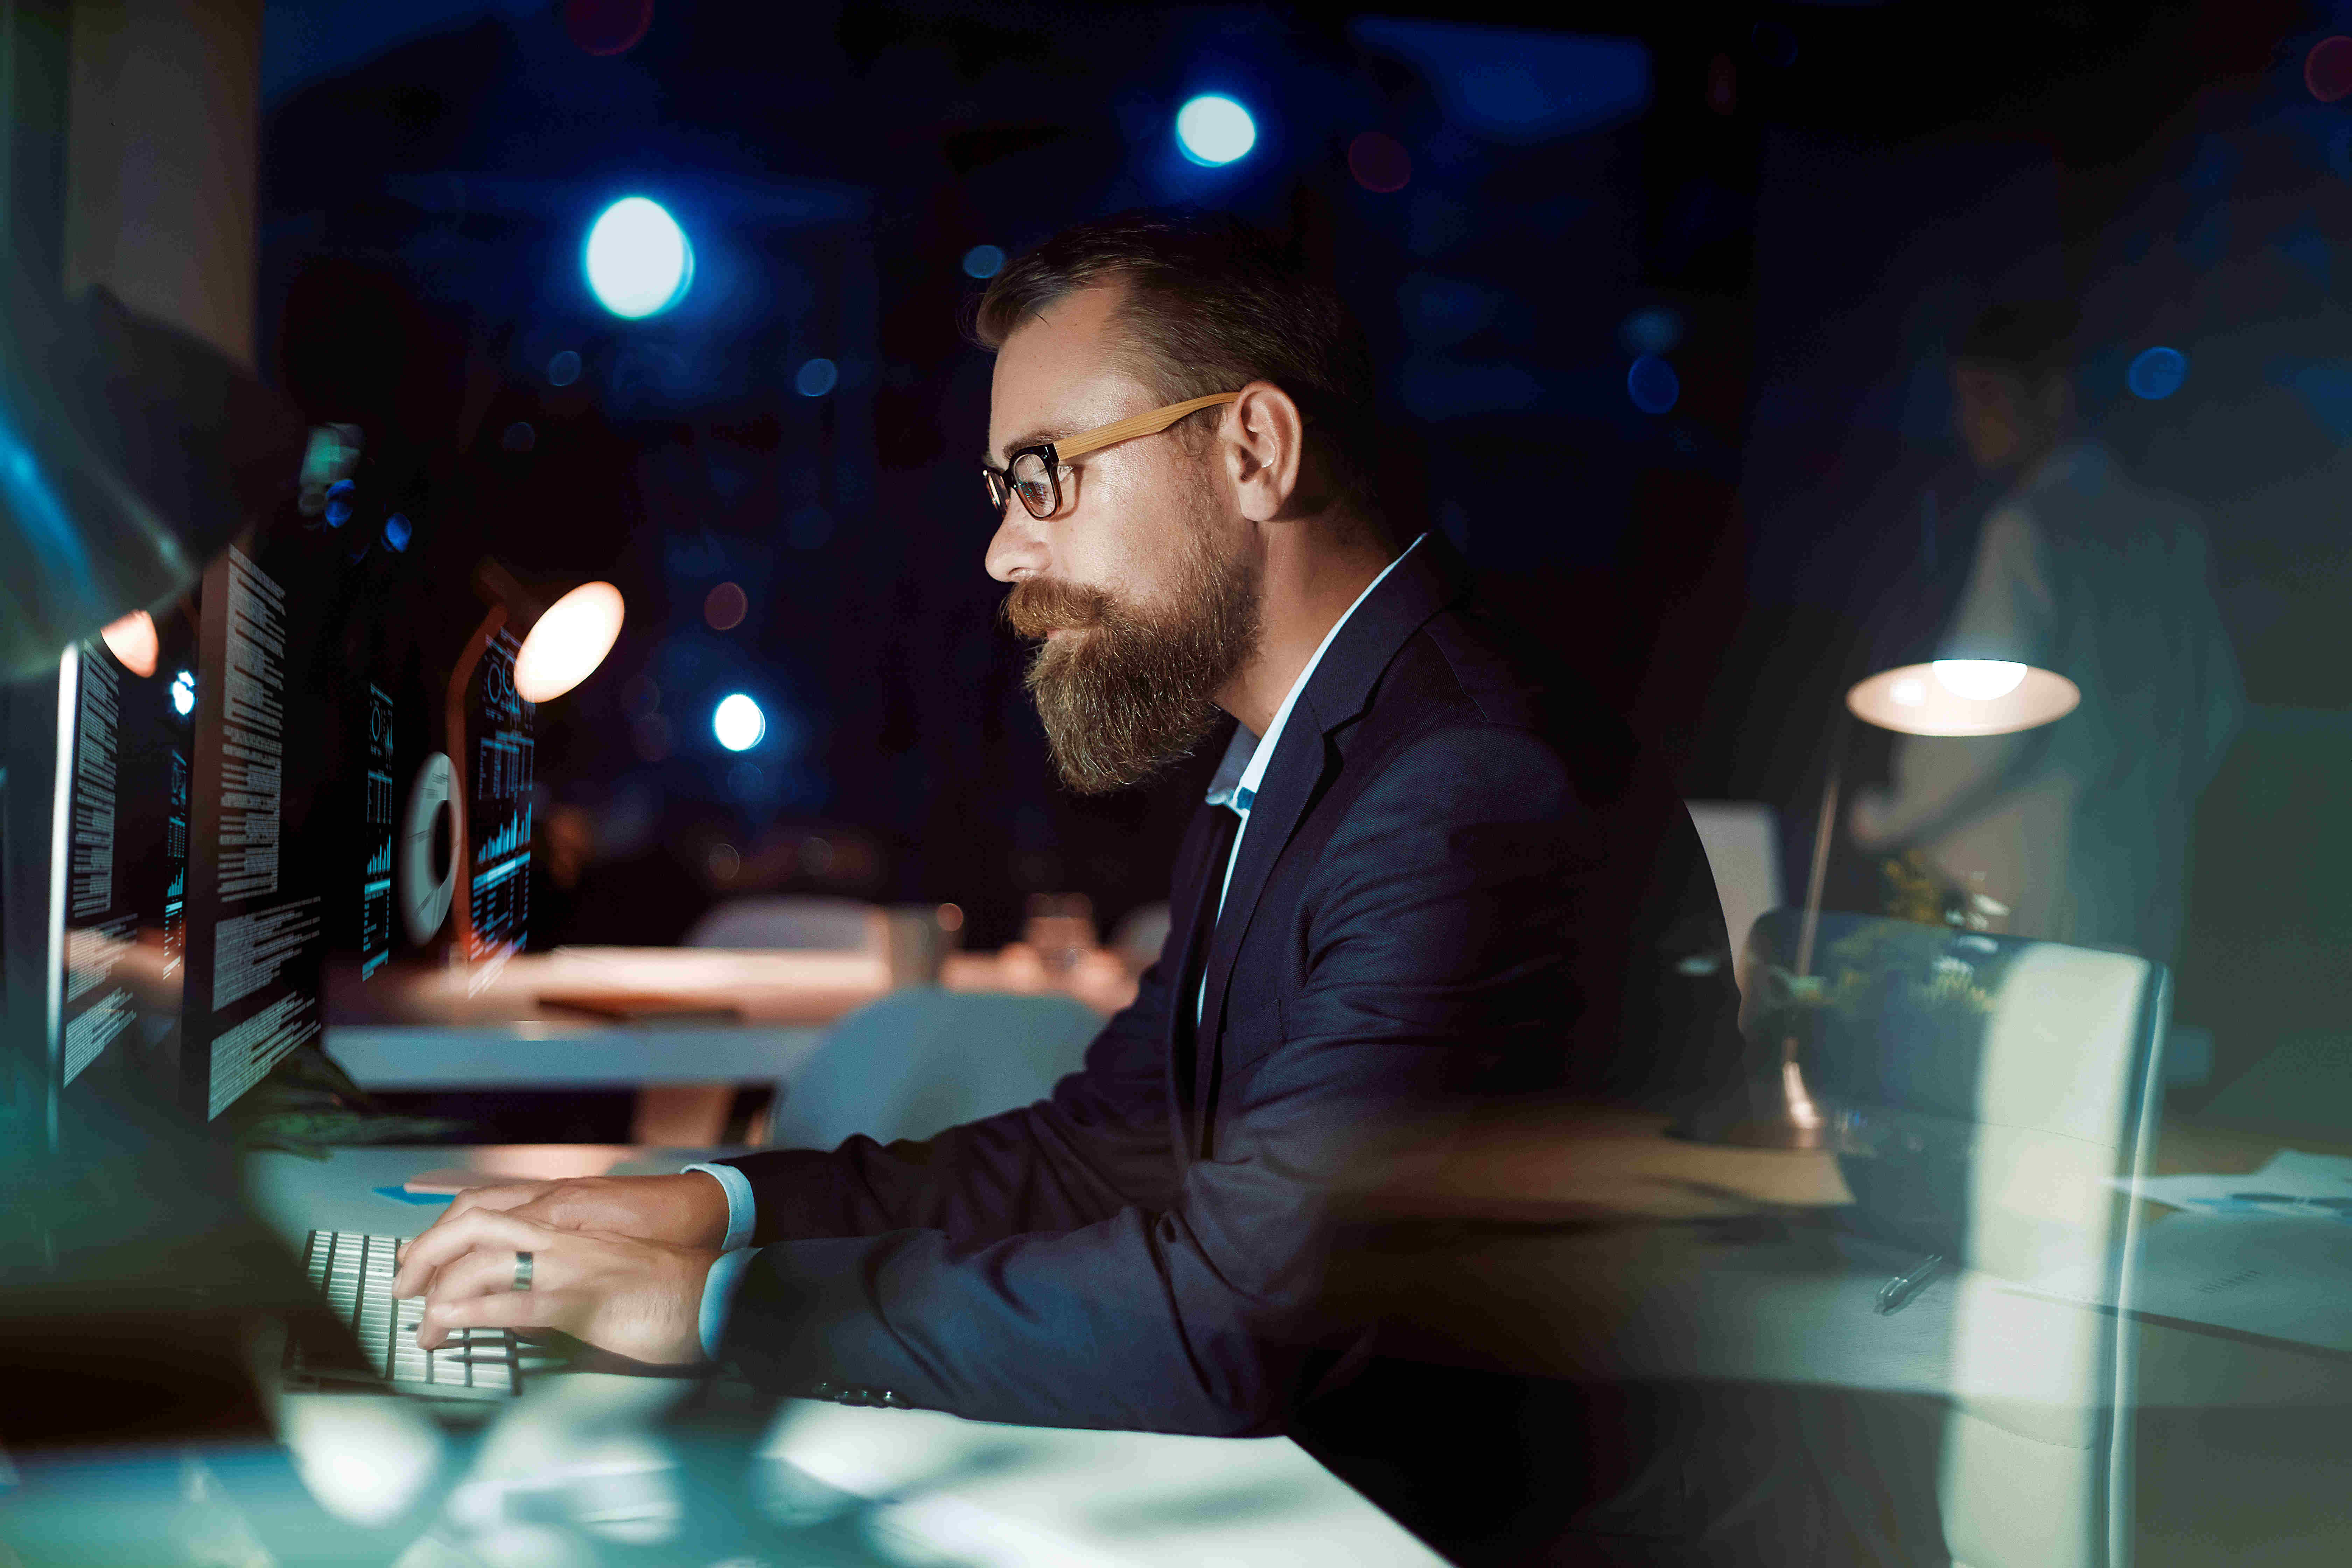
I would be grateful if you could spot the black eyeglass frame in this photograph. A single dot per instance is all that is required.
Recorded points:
(1055, 456)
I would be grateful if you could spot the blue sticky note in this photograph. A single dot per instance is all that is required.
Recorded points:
(403, 1196)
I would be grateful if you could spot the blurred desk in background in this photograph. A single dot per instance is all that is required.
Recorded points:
(684, 1027)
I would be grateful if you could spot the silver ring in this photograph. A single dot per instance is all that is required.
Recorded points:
(522, 1272)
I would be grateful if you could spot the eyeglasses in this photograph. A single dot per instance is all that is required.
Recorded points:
(1034, 473)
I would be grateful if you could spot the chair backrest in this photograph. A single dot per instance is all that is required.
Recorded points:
(822, 924)
(923, 1059)
(1742, 839)
(2000, 1084)
(1996, 1089)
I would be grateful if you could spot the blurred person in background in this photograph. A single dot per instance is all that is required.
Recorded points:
(2077, 831)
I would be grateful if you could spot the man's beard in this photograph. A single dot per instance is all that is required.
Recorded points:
(1133, 691)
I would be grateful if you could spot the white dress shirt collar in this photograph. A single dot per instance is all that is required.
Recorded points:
(1248, 756)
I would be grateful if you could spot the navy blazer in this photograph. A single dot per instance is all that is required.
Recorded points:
(1461, 883)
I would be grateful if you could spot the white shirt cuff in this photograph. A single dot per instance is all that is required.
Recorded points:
(719, 1297)
(741, 1208)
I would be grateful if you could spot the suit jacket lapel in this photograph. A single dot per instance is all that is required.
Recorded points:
(1421, 584)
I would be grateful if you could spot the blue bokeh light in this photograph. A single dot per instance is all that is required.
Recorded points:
(637, 259)
(2157, 373)
(1652, 384)
(397, 531)
(816, 377)
(984, 261)
(738, 723)
(563, 367)
(339, 503)
(1213, 131)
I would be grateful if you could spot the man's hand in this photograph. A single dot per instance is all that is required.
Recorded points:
(636, 1298)
(684, 1210)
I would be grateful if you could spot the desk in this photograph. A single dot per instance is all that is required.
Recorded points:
(1623, 1289)
(1713, 1269)
(451, 1028)
(931, 1487)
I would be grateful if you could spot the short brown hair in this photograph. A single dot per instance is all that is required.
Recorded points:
(1213, 303)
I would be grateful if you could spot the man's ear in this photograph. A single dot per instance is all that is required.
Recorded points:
(1263, 438)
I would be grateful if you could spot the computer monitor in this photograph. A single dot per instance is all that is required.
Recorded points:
(97, 837)
(257, 886)
(499, 757)
(305, 692)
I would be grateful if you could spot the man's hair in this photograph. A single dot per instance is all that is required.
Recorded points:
(2035, 338)
(1211, 304)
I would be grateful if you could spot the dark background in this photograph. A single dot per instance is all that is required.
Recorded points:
(1809, 202)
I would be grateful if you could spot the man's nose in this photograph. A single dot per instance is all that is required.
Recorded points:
(1018, 550)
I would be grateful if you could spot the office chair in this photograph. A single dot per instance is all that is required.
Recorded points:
(1742, 839)
(1991, 1090)
(923, 1059)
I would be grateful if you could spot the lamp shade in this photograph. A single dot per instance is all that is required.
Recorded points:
(1963, 697)
(563, 640)
(568, 641)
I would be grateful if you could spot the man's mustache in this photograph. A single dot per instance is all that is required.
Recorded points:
(1039, 606)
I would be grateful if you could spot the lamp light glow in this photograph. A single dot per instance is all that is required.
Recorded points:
(1979, 680)
(738, 723)
(1963, 697)
(132, 642)
(567, 644)
(183, 693)
(637, 259)
(1213, 131)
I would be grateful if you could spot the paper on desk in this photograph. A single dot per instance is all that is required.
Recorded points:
(2293, 1185)
(2287, 1278)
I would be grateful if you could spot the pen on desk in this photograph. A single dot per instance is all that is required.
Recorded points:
(1896, 1293)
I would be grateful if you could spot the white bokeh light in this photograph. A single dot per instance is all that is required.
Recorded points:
(1979, 680)
(1212, 130)
(639, 261)
(738, 723)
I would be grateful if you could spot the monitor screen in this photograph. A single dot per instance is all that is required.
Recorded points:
(374, 844)
(257, 885)
(112, 948)
(498, 812)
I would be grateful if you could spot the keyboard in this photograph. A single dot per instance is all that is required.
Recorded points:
(354, 1273)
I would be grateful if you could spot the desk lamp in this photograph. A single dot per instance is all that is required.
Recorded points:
(1950, 697)
(565, 635)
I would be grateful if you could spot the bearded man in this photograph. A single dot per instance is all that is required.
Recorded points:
(1433, 873)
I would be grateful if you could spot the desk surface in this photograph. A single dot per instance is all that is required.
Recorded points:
(454, 1028)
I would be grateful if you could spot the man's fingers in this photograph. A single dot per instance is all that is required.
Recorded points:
(482, 1272)
(474, 1198)
(512, 1195)
(481, 1227)
(502, 1310)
